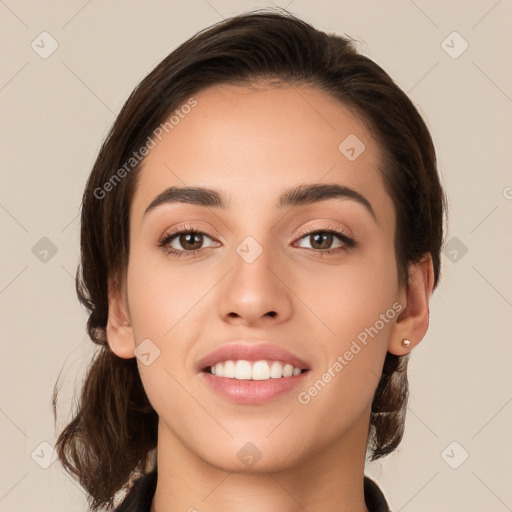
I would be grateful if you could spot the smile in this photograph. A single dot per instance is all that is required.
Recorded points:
(253, 370)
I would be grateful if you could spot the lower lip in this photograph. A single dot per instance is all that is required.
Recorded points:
(253, 391)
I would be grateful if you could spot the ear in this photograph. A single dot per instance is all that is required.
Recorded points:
(412, 322)
(119, 330)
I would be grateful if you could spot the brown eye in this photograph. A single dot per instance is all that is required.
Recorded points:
(186, 241)
(190, 241)
(321, 240)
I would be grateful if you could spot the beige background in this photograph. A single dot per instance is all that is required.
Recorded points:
(55, 112)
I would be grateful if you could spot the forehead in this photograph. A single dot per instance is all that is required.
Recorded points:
(252, 142)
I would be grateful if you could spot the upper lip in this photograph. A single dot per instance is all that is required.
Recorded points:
(251, 352)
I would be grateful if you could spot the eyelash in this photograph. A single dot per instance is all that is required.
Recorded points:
(348, 242)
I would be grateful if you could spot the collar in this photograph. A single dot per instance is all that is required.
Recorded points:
(140, 495)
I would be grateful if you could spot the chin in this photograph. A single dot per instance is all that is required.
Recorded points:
(250, 454)
(253, 461)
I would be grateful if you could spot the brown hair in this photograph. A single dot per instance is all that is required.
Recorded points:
(114, 428)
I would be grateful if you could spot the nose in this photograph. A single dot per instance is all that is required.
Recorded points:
(256, 292)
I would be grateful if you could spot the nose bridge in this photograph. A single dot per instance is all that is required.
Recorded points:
(252, 260)
(252, 288)
(254, 242)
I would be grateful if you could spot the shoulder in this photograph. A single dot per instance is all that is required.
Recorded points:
(140, 495)
(374, 497)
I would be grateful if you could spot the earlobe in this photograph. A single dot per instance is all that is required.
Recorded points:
(412, 323)
(119, 330)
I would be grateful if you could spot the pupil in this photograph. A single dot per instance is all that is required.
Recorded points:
(189, 238)
(322, 237)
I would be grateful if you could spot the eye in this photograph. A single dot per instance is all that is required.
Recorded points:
(185, 241)
(321, 240)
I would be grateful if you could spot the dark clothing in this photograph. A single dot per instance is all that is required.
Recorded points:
(141, 494)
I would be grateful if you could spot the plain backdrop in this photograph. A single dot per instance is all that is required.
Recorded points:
(453, 60)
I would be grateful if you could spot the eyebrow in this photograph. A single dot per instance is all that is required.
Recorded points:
(295, 196)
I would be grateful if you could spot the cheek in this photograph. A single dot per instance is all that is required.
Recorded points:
(356, 305)
(163, 299)
(351, 297)
(161, 294)
(353, 344)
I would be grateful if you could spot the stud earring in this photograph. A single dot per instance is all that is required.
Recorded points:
(406, 343)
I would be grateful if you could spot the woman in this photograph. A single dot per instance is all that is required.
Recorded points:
(260, 239)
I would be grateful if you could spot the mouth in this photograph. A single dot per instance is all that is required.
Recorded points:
(257, 382)
(249, 373)
(242, 369)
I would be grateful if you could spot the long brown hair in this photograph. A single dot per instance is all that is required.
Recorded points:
(113, 433)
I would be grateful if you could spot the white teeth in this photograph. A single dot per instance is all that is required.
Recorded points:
(257, 370)
(260, 370)
(287, 370)
(242, 370)
(229, 369)
(276, 370)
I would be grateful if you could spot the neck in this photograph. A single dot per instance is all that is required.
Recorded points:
(330, 479)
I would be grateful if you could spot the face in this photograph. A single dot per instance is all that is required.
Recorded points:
(316, 278)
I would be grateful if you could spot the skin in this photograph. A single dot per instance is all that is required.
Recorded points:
(250, 143)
